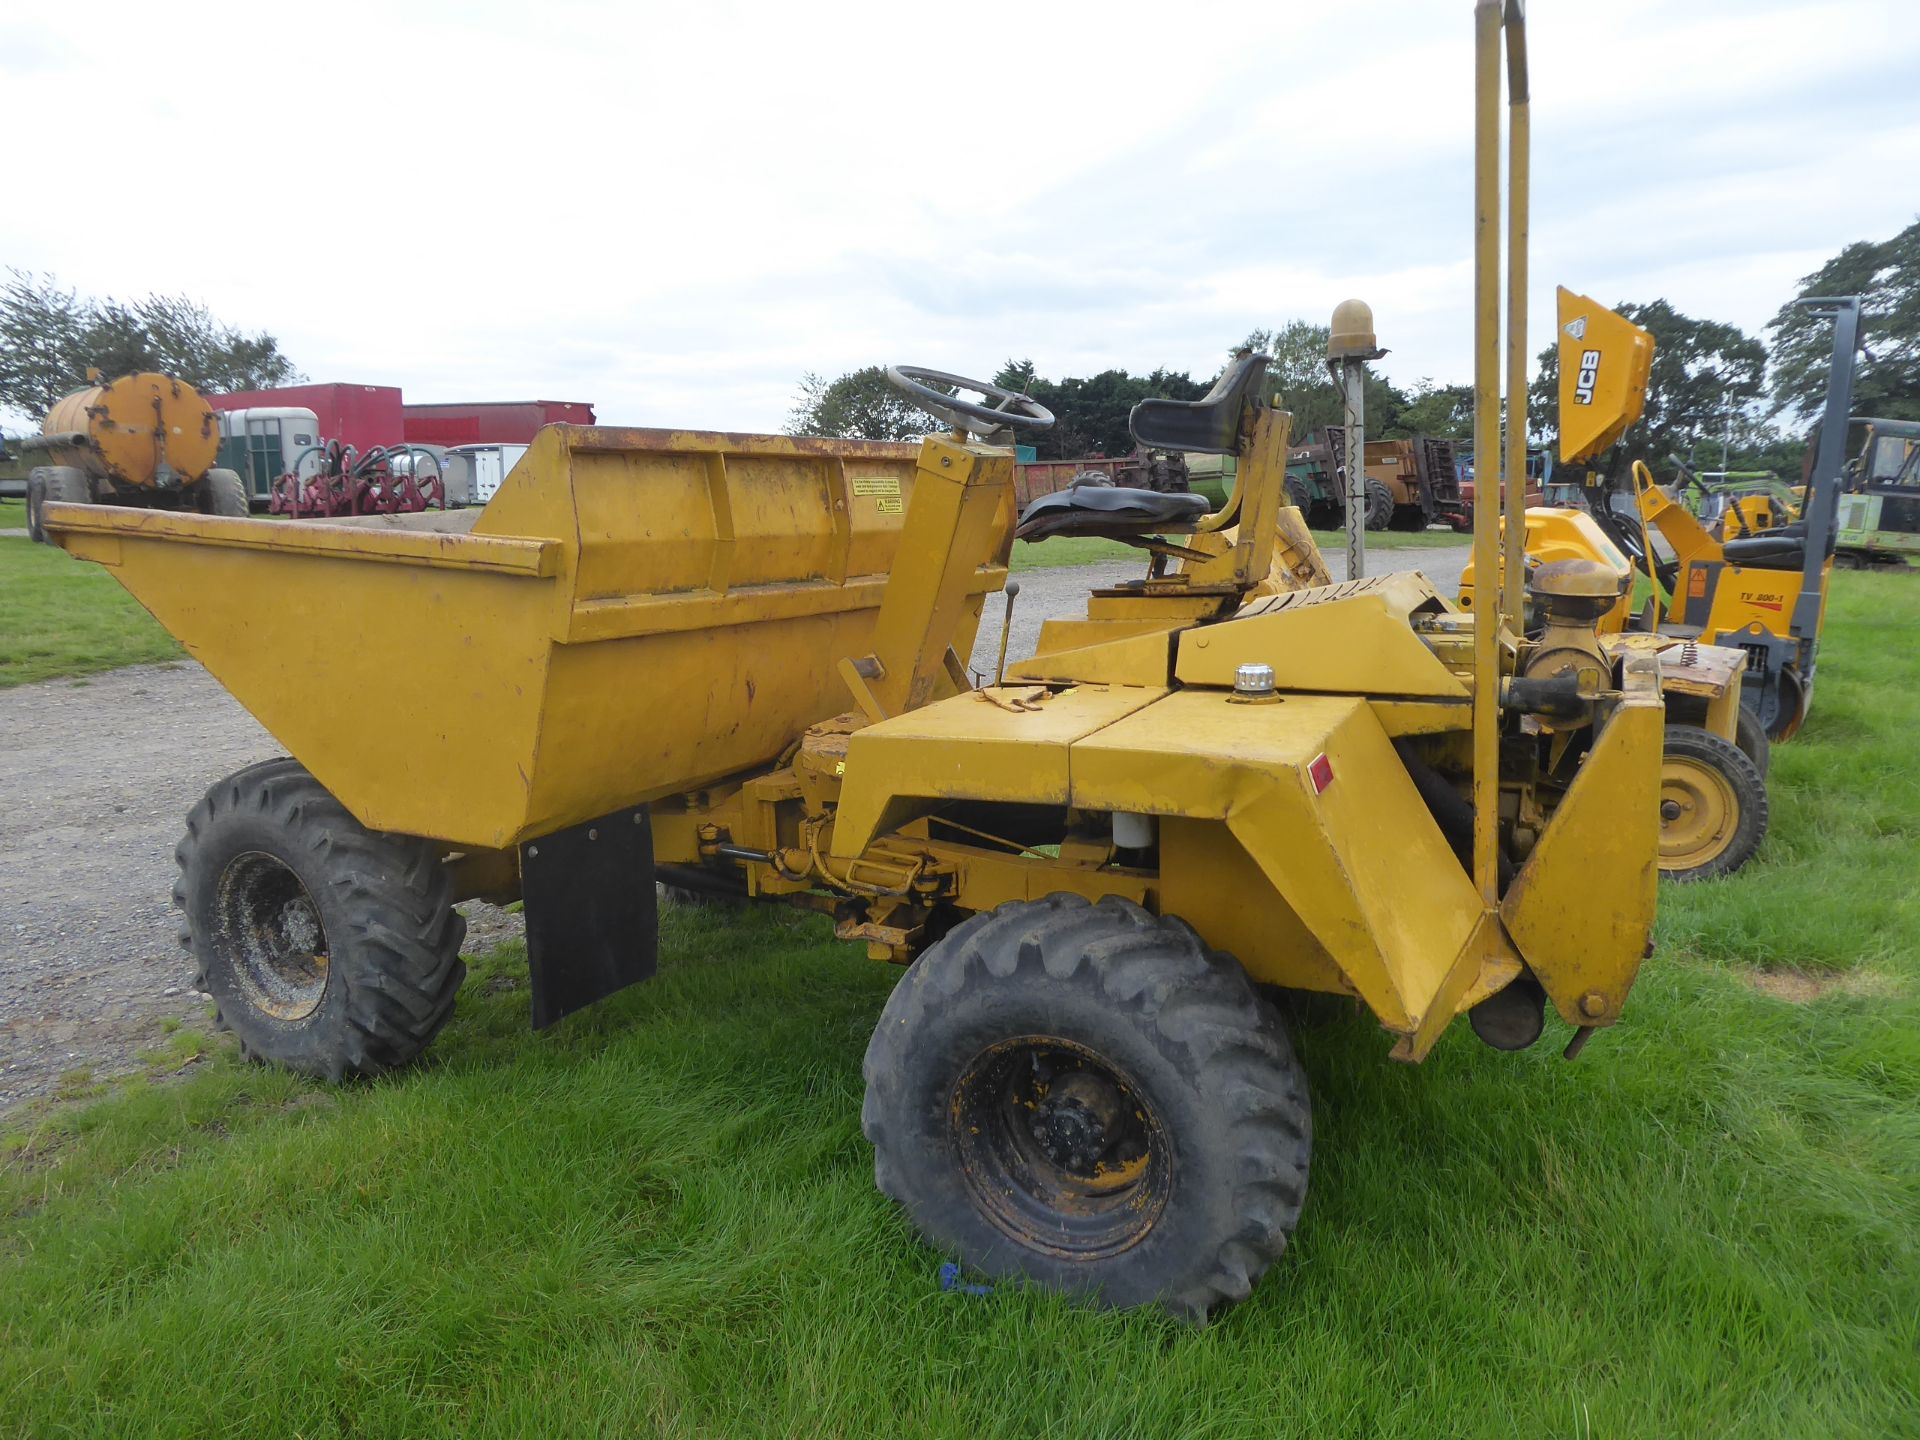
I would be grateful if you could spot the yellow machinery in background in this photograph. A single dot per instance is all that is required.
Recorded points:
(739, 664)
(146, 440)
(1744, 503)
(1761, 588)
(1714, 808)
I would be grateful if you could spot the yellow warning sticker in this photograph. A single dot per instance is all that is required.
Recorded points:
(839, 767)
(894, 506)
(876, 485)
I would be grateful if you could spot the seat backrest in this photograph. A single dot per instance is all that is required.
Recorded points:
(1209, 425)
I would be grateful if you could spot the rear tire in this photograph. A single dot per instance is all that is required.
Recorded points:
(1713, 806)
(1299, 496)
(222, 492)
(54, 484)
(328, 948)
(1088, 1097)
(1379, 505)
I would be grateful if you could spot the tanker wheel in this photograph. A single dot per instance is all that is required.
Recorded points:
(56, 484)
(221, 492)
(1713, 805)
(328, 948)
(1086, 1096)
(1379, 505)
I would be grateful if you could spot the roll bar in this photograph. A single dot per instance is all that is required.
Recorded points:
(1495, 22)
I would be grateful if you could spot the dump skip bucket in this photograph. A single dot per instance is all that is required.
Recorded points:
(635, 612)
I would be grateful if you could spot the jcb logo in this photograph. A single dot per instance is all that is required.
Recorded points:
(1589, 376)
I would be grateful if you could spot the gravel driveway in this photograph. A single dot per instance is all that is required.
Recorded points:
(98, 775)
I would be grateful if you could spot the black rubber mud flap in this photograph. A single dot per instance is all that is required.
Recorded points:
(592, 920)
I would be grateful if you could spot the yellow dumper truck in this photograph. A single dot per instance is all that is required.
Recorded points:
(736, 663)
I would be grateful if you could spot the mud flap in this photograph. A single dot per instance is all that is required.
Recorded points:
(592, 919)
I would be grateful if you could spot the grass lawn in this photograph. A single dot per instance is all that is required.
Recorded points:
(659, 1217)
(1082, 550)
(61, 616)
(13, 514)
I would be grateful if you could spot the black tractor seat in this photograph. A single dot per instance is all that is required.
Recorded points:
(1113, 511)
(1209, 425)
(1781, 549)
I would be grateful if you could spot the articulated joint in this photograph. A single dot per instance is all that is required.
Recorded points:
(875, 877)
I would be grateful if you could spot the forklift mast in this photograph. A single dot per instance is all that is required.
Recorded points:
(1821, 511)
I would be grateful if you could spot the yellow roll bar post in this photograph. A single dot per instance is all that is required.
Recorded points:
(1492, 19)
(1519, 143)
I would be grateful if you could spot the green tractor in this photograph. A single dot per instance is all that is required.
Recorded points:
(1879, 505)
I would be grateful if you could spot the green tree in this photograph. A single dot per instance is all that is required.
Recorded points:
(1704, 372)
(1442, 410)
(1306, 389)
(1886, 277)
(1016, 375)
(1090, 414)
(860, 405)
(49, 337)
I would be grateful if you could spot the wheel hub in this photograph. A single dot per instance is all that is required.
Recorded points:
(1076, 1123)
(1060, 1150)
(1698, 814)
(268, 923)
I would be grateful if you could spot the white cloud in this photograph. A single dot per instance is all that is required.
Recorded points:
(674, 210)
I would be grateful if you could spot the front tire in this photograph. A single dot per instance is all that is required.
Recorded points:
(1085, 1095)
(328, 948)
(1713, 805)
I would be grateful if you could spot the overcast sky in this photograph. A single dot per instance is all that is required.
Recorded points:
(674, 210)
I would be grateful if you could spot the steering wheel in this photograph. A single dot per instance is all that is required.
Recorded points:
(1021, 412)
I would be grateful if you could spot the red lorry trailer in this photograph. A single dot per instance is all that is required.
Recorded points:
(362, 416)
(510, 422)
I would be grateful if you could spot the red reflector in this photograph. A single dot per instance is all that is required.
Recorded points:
(1320, 772)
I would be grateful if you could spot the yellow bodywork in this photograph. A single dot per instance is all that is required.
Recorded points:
(1346, 884)
(1605, 362)
(635, 612)
(763, 637)
(135, 429)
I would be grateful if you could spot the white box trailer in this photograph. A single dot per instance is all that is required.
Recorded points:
(474, 472)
